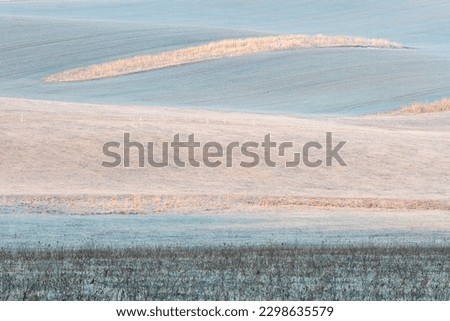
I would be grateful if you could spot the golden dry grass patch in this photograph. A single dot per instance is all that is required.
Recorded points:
(421, 108)
(214, 50)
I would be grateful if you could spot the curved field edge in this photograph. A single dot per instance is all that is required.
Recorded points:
(215, 50)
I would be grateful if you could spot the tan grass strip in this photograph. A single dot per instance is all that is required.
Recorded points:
(147, 204)
(421, 108)
(214, 50)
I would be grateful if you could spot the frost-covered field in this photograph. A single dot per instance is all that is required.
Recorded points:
(377, 229)
(48, 37)
(21, 229)
(218, 273)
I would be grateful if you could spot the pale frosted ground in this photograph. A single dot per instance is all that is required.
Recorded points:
(21, 229)
(56, 148)
(53, 152)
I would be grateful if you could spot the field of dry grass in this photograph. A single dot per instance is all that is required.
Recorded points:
(420, 108)
(220, 273)
(390, 172)
(214, 50)
(160, 203)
